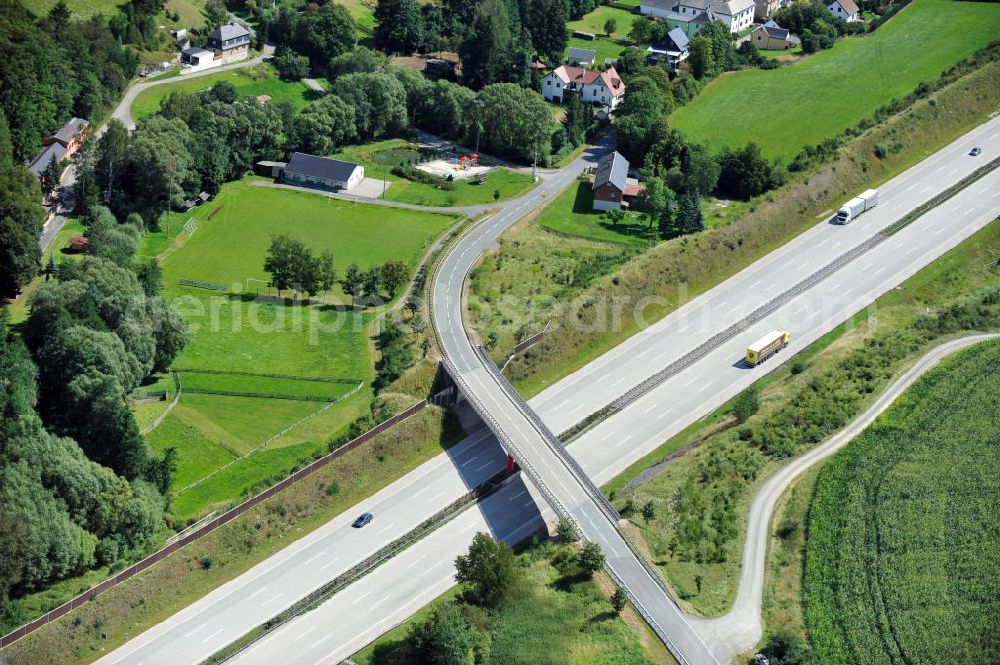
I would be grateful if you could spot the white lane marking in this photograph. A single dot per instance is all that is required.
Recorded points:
(618, 382)
(436, 564)
(469, 461)
(577, 408)
(422, 557)
(422, 491)
(690, 381)
(273, 599)
(362, 597)
(528, 503)
(321, 640)
(304, 633)
(330, 563)
(622, 441)
(437, 496)
(755, 284)
(313, 558)
(940, 231)
(608, 436)
(466, 529)
(911, 250)
(881, 270)
(379, 602)
(646, 352)
(384, 529)
(562, 404)
(684, 327)
(666, 413)
(659, 356)
(254, 594)
(518, 495)
(189, 634)
(216, 633)
(485, 465)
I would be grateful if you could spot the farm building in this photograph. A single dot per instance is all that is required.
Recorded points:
(612, 186)
(322, 172)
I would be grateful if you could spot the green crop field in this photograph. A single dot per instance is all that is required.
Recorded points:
(604, 46)
(904, 532)
(806, 102)
(265, 335)
(253, 82)
(572, 213)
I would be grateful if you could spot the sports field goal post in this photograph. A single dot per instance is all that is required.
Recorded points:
(190, 226)
(259, 281)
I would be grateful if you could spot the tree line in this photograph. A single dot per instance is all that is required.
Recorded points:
(79, 486)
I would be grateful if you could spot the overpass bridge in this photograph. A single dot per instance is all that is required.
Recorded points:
(540, 454)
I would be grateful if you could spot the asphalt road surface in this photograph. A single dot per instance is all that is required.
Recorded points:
(604, 451)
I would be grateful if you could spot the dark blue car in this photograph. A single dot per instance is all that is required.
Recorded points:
(363, 519)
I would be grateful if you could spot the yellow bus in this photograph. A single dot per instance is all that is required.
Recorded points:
(767, 346)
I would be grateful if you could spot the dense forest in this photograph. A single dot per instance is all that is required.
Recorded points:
(78, 485)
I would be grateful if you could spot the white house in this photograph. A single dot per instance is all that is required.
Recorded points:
(845, 9)
(737, 15)
(605, 88)
(672, 50)
(322, 172)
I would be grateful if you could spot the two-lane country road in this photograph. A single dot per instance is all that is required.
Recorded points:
(602, 452)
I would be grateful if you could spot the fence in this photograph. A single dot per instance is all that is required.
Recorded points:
(209, 527)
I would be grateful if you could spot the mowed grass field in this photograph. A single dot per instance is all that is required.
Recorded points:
(241, 332)
(904, 532)
(806, 102)
(604, 46)
(572, 213)
(190, 11)
(253, 82)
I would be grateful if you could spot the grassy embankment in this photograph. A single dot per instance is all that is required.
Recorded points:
(702, 497)
(190, 11)
(685, 267)
(804, 103)
(182, 578)
(603, 45)
(266, 335)
(249, 82)
(380, 157)
(59, 247)
(904, 530)
(555, 616)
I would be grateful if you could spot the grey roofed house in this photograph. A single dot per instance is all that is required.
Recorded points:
(776, 31)
(577, 55)
(675, 41)
(70, 130)
(228, 36)
(311, 170)
(42, 161)
(612, 169)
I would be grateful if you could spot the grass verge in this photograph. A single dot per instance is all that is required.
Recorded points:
(555, 615)
(701, 498)
(113, 618)
(684, 267)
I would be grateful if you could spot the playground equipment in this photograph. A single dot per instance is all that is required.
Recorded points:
(466, 162)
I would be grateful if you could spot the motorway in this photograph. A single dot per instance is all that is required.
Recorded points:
(603, 451)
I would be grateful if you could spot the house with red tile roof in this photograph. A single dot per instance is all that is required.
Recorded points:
(594, 87)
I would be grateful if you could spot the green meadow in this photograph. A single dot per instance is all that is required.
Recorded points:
(806, 102)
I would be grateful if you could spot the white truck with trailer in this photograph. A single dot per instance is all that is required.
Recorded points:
(864, 201)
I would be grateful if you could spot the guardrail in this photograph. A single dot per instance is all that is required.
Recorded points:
(699, 352)
(317, 597)
(207, 528)
(536, 478)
